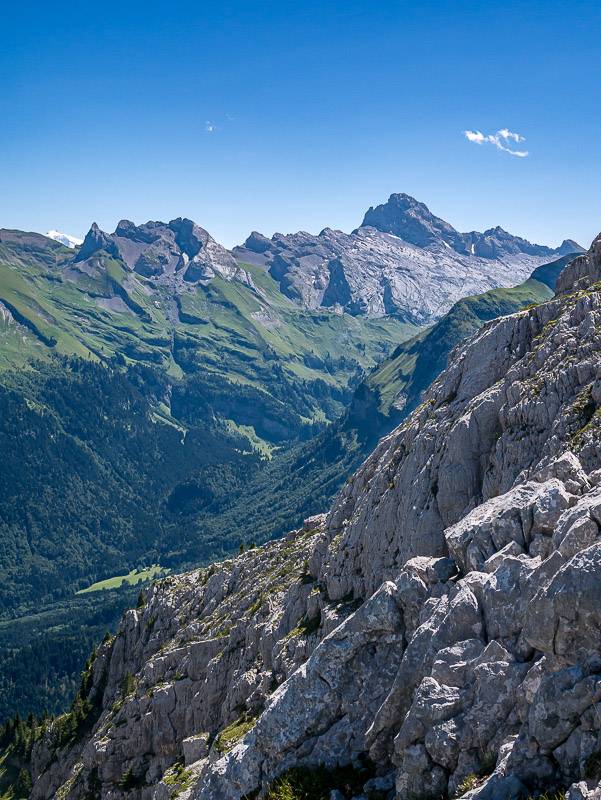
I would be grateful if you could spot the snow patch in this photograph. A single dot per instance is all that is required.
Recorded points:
(64, 238)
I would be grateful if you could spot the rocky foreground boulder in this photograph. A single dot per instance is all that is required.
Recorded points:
(441, 624)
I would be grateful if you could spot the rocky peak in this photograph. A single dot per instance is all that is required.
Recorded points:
(404, 216)
(257, 243)
(189, 237)
(570, 246)
(94, 241)
(496, 242)
(179, 252)
(139, 233)
(582, 272)
(413, 222)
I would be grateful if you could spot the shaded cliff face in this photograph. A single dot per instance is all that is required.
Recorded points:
(403, 260)
(442, 620)
(179, 250)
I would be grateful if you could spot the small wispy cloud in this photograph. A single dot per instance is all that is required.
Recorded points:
(210, 127)
(501, 139)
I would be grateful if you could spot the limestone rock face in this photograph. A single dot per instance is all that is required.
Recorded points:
(441, 621)
(584, 271)
(403, 260)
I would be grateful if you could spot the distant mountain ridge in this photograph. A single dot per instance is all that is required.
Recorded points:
(404, 216)
(403, 260)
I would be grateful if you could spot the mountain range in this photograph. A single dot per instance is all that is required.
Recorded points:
(165, 401)
(434, 634)
(394, 263)
(402, 260)
(294, 311)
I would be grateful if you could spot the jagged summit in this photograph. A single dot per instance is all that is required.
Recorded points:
(403, 260)
(257, 243)
(570, 246)
(582, 272)
(94, 241)
(179, 251)
(404, 216)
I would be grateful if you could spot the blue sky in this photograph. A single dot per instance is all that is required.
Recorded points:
(287, 116)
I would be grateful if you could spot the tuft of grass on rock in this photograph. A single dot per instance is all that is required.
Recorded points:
(470, 782)
(230, 735)
(316, 783)
(179, 778)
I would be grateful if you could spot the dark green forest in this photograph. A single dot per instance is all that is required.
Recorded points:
(89, 474)
(42, 653)
(106, 468)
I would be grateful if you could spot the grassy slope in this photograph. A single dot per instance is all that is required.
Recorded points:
(230, 330)
(269, 323)
(133, 578)
(304, 480)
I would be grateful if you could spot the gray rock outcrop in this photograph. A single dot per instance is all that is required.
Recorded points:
(173, 253)
(403, 260)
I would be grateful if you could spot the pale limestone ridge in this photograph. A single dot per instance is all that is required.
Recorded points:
(402, 260)
(442, 620)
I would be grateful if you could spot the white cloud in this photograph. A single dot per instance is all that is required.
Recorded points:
(210, 127)
(476, 136)
(500, 139)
